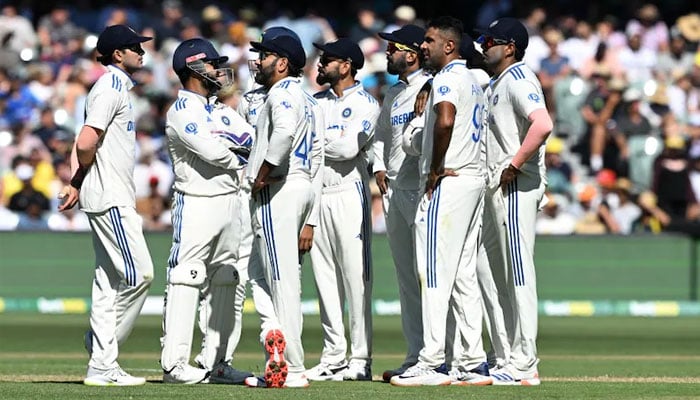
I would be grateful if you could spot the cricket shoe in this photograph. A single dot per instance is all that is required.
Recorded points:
(276, 368)
(390, 373)
(357, 370)
(326, 372)
(478, 376)
(421, 375)
(294, 380)
(111, 377)
(224, 373)
(185, 374)
(509, 376)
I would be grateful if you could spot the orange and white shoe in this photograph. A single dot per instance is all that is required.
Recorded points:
(276, 368)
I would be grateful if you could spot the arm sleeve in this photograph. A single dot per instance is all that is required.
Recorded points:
(101, 106)
(284, 121)
(526, 97)
(355, 136)
(382, 134)
(192, 130)
(444, 89)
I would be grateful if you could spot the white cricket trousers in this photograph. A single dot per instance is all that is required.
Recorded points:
(123, 274)
(400, 213)
(447, 233)
(205, 234)
(342, 263)
(279, 213)
(492, 252)
(516, 280)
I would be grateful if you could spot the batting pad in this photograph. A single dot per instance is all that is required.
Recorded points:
(178, 324)
(216, 319)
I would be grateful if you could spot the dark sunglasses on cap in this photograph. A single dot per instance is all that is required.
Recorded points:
(394, 47)
(487, 42)
(136, 48)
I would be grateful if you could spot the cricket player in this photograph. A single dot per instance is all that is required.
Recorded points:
(454, 183)
(281, 169)
(396, 174)
(518, 126)
(341, 255)
(102, 163)
(205, 206)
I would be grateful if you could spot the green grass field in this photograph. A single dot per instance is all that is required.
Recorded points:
(42, 357)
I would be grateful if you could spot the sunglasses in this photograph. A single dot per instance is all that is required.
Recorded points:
(136, 48)
(394, 47)
(325, 60)
(487, 42)
(264, 54)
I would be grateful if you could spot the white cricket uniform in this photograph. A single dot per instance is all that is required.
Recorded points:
(285, 134)
(447, 226)
(124, 269)
(341, 255)
(228, 122)
(400, 201)
(511, 97)
(205, 235)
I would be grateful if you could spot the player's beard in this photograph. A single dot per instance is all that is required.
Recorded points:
(396, 67)
(264, 74)
(328, 76)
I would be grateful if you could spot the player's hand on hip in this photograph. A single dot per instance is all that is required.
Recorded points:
(434, 180)
(69, 197)
(306, 238)
(382, 181)
(508, 175)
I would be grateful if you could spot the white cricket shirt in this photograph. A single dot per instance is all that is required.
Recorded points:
(511, 97)
(397, 111)
(110, 180)
(349, 123)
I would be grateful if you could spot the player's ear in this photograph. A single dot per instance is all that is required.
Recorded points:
(282, 64)
(450, 46)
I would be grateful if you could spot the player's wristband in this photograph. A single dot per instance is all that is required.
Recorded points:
(78, 178)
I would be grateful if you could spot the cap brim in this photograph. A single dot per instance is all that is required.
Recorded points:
(390, 37)
(220, 60)
(259, 47)
(140, 39)
(326, 50)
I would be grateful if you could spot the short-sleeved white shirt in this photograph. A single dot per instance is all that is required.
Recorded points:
(284, 132)
(511, 98)
(110, 180)
(457, 85)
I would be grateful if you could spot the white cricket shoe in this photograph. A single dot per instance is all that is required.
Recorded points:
(326, 372)
(185, 374)
(421, 375)
(111, 377)
(478, 376)
(296, 380)
(510, 376)
(357, 370)
(224, 373)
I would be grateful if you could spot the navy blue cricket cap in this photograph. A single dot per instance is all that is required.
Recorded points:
(466, 47)
(345, 49)
(118, 37)
(280, 41)
(192, 50)
(408, 35)
(508, 29)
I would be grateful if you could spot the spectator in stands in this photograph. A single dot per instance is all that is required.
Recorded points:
(56, 27)
(17, 29)
(677, 60)
(559, 173)
(213, 26)
(170, 23)
(8, 219)
(627, 125)
(637, 62)
(587, 220)
(554, 219)
(672, 181)
(553, 67)
(367, 24)
(606, 32)
(619, 216)
(28, 198)
(651, 28)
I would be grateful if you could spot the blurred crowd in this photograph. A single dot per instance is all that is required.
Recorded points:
(624, 156)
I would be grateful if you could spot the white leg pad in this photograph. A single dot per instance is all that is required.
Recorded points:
(216, 320)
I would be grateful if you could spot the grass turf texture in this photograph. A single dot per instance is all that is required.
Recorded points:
(42, 357)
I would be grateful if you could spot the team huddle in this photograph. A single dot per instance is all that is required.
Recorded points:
(457, 154)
